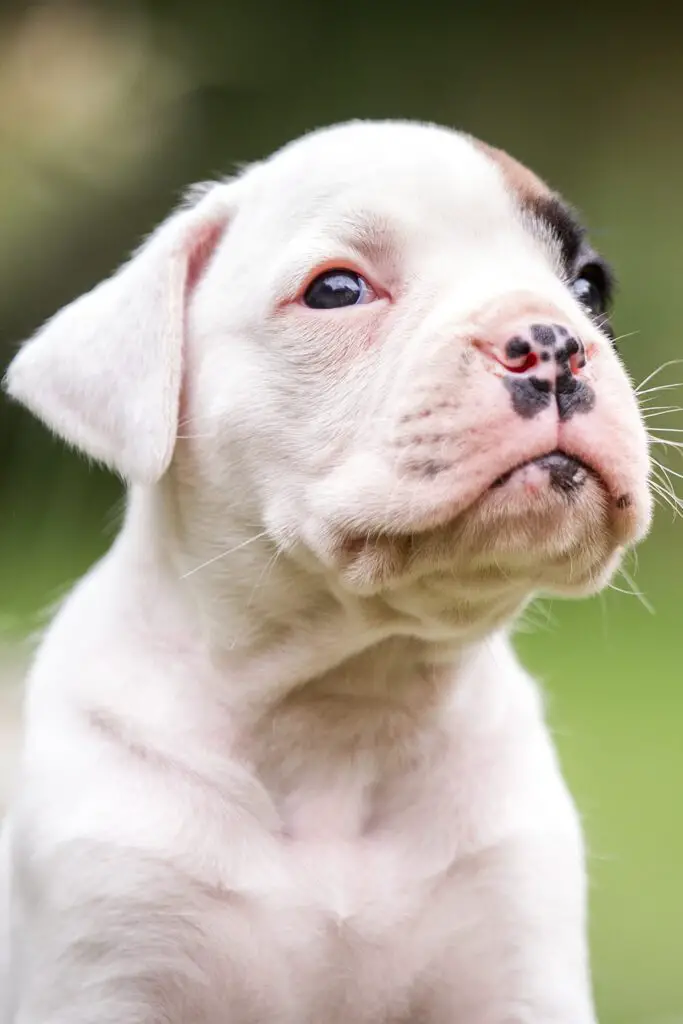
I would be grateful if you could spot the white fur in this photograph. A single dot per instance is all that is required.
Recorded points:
(280, 761)
(100, 388)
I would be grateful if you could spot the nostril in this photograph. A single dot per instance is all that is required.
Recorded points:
(529, 363)
(519, 356)
(577, 361)
(545, 350)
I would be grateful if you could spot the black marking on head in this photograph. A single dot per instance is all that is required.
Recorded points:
(578, 257)
(516, 348)
(556, 216)
(545, 356)
(530, 396)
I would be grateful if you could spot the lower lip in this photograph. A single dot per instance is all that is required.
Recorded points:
(571, 471)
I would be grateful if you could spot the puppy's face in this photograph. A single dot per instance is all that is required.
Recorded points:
(402, 342)
(387, 347)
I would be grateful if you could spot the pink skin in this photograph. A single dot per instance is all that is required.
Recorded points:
(595, 438)
(489, 438)
(532, 363)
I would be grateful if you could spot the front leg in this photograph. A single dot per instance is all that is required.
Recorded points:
(512, 920)
(113, 936)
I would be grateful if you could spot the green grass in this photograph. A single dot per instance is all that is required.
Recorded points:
(612, 672)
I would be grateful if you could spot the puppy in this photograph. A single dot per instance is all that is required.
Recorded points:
(280, 761)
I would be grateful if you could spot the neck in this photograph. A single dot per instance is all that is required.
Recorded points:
(280, 627)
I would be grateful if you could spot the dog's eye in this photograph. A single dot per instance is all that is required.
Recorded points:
(336, 288)
(589, 289)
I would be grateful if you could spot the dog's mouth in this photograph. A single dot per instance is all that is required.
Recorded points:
(553, 473)
(564, 473)
(544, 490)
(551, 512)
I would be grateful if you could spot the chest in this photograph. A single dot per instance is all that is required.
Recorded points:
(338, 932)
(357, 933)
(354, 903)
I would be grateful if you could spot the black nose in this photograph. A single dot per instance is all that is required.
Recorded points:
(543, 361)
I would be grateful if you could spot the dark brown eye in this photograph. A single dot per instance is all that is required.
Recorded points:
(336, 288)
(590, 289)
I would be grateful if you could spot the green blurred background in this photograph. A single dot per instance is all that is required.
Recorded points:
(108, 111)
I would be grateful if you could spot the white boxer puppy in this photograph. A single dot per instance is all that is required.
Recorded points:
(280, 761)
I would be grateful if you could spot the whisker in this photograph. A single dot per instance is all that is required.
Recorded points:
(668, 497)
(660, 410)
(675, 505)
(651, 376)
(660, 387)
(224, 554)
(623, 337)
(661, 472)
(661, 475)
(662, 502)
(635, 591)
(639, 597)
(663, 442)
(668, 469)
(635, 555)
(265, 572)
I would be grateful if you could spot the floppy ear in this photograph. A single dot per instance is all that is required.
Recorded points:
(105, 372)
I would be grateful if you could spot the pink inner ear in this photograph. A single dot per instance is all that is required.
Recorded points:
(204, 244)
(202, 247)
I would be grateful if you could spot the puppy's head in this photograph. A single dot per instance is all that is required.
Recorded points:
(388, 347)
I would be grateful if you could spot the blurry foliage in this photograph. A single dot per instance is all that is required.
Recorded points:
(107, 111)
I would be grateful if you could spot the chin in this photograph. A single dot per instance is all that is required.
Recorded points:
(549, 522)
(544, 526)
